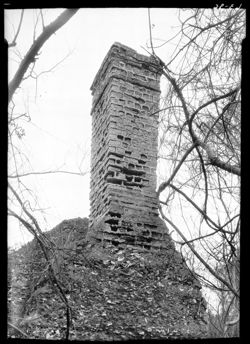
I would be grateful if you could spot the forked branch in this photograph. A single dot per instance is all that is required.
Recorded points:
(36, 46)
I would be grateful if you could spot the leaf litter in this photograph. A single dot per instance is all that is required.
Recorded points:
(118, 294)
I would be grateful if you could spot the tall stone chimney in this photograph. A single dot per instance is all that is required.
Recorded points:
(126, 92)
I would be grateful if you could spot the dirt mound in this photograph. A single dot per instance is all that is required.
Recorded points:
(114, 294)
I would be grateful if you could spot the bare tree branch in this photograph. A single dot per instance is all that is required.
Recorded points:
(215, 161)
(213, 100)
(36, 46)
(200, 210)
(44, 247)
(208, 267)
(204, 77)
(201, 30)
(213, 158)
(25, 210)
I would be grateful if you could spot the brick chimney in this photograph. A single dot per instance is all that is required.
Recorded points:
(126, 93)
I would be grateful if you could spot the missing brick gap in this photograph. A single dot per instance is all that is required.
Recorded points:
(113, 214)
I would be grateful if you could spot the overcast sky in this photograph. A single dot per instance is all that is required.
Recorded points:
(59, 133)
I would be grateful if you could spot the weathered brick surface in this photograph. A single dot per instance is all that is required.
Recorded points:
(126, 93)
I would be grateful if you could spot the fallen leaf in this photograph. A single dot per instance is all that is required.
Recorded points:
(160, 284)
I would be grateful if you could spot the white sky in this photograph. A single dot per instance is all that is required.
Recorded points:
(59, 133)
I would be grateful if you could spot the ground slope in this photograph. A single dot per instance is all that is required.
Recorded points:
(114, 294)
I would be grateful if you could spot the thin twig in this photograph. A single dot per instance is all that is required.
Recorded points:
(47, 172)
(41, 13)
(150, 31)
(18, 329)
(163, 185)
(13, 43)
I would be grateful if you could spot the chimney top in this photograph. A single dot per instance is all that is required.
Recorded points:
(126, 53)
